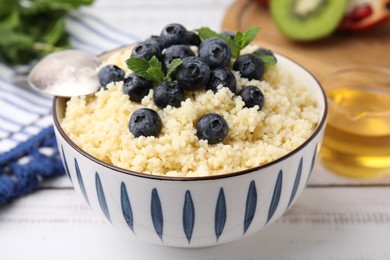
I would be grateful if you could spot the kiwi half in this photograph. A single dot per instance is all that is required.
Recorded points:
(306, 20)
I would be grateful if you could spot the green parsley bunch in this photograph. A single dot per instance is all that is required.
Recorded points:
(30, 29)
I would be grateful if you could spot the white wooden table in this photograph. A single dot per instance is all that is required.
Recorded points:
(334, 219)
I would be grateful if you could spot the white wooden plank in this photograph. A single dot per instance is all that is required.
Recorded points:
(325, 223)
(56, 182)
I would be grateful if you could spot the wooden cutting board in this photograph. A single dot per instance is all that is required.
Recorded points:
(368, 48)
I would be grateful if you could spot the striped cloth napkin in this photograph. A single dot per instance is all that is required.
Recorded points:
(28, 151)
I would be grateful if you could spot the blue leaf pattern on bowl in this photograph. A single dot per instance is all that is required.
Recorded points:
(80, 180)
(313, 160)
(188, 215)
(101, 196)
(126, 207)
(220, 214)
(296, 182)
(66, 164)
(156, 212)
(276, 196)
(251, 203)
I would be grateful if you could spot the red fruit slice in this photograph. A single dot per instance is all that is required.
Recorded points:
(365, 15)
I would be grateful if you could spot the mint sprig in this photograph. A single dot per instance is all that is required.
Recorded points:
(152, 70)
(245, 38)
(241, 39)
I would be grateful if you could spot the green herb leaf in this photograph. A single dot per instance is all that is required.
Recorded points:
(8, 6)
(55, 33)
(150, 70)
(267, 59)
(240, 42)
(9, 38)
(244, 39)
(234, 47)
(30, 31)
(139, 66)
(239, 38)
(205, 33)
(10, 21)
(155, 70)
(173, 66)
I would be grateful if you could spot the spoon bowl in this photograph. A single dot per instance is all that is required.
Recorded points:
(66, 74)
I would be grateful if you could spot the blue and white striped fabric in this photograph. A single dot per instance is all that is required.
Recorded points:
(24, 112)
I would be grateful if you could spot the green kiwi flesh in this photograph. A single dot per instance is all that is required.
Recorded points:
(305, 20)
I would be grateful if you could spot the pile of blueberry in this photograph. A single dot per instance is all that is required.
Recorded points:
(209, 69)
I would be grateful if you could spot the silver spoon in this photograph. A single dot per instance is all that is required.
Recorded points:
(66, 74)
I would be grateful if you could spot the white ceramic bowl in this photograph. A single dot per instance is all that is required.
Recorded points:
(194, 212)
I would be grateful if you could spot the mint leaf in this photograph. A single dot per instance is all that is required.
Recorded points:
(205, 33)
(173, 65)
(243, 39)
(234, 47)
(267, 59)
(139, 66)
(239, 38)
(150, 70)
(155, 70)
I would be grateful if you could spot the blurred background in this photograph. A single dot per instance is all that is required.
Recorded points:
(331, 31)
(143, 18)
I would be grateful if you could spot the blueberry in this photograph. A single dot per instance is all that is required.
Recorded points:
(193, 73)
(192, 38)
(172, 34)
(176, 51)
(252, 96)
(230, 34)
(250, 66)
(168, 93)
(110, 73)
(224, 77)
(155, 41)
(136, 87)
(145, 122)
(264, 51)
(211, 127)
(146, 50)
(215, 52)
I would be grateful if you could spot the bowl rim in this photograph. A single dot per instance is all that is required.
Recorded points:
(317, 130)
